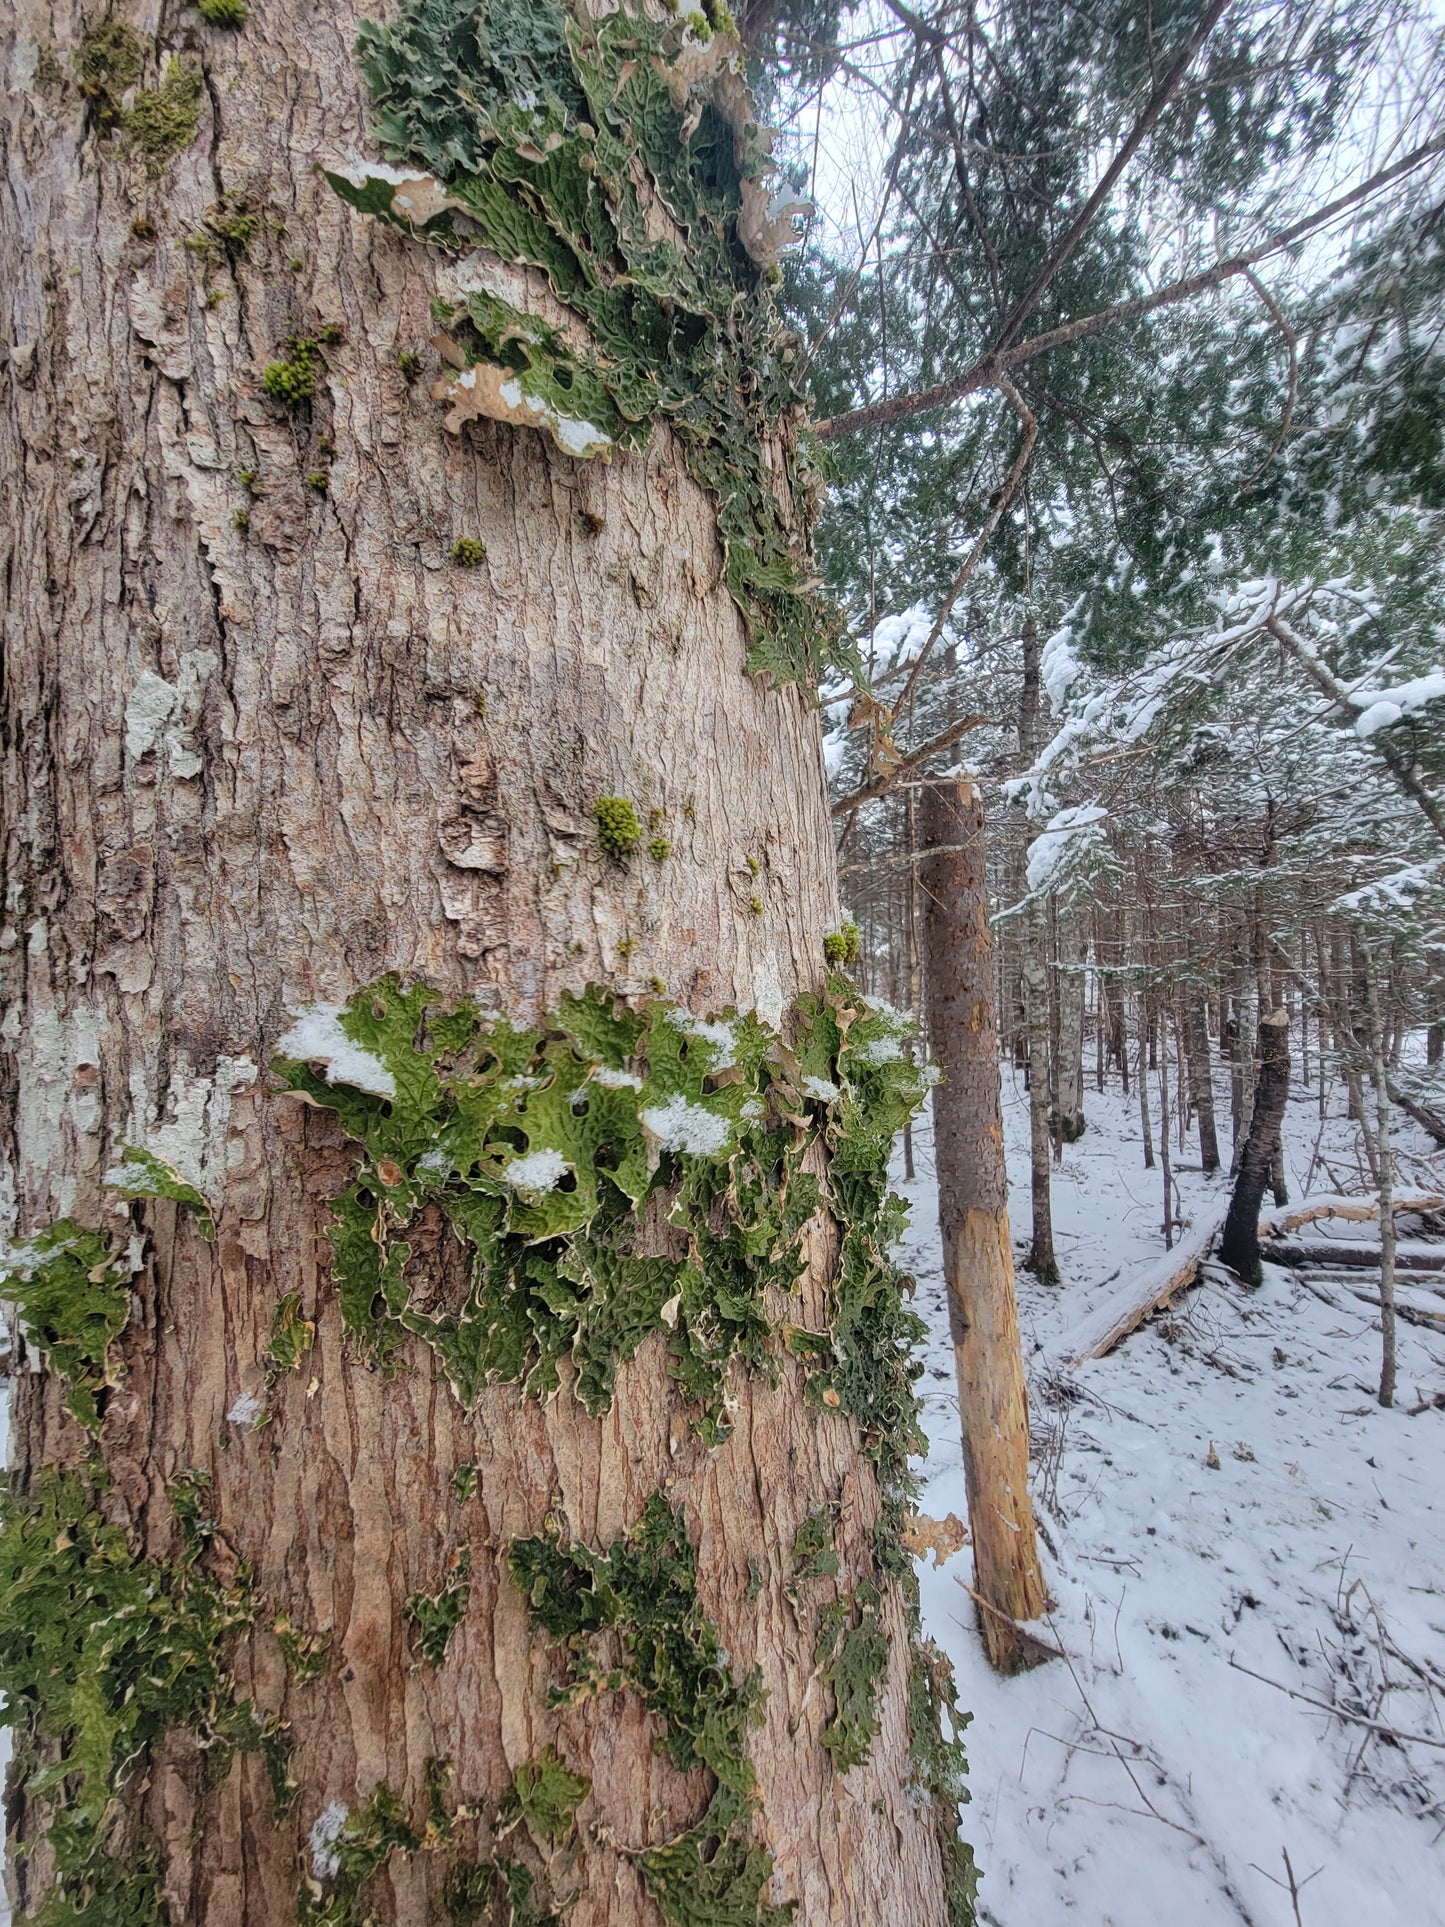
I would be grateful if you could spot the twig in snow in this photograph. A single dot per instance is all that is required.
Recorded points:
(1294, 1888)
(1340, 1712)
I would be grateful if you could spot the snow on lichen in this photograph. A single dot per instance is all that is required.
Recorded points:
(612, 1080)
(327, 1830)
(680, 1126)
(538, 1171)
(316, 1037)
(823, 1088)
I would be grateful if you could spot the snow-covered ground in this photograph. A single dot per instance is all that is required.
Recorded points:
(1147, 1779)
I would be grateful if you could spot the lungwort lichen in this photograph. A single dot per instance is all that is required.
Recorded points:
(619, 154)
(546, 1152)
(643, 1589)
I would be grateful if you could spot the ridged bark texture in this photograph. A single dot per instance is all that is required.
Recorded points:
(264, 741)
(1239, 1245)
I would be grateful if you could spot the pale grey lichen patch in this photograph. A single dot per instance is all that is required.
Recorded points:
(327, 1830)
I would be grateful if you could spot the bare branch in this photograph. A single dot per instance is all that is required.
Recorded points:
(1291, 348)
(882, 784)
(986, 371)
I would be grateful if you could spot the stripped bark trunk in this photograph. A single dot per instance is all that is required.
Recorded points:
(1239, 1246)
(973, 1214)
(1034, 990)
(1073, 953)
(250, 768)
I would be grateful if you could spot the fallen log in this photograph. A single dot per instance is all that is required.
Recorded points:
(1277, 1224)
(1354, 1257)
(1149, 1292)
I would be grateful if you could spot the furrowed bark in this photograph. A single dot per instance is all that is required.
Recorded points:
(263, 742)
(1239, 1246)
(973, 1213)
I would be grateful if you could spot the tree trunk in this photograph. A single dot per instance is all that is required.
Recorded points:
(1145, 1128)
(1239, 1246)
(1041, 1260)
(1073, 955)
(264, 741)
(1386, 1182)
(1201, 1084)
(973, 1214)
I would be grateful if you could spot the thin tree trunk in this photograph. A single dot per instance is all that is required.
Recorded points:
(1143, 1080)
(1239, 1246)
(1164, 1148)
(1072, 953)
(973, 1214)
(1201, 1082)
(1041, 1260)
(262, 744)
(1386, 1183)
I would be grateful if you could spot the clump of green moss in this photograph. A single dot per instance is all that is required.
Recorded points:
(318, 480)
(618, 830)
(409, 364)
(241, 522)
(109, 58)
(231, 15)
(468, 552)
(102, 1653)
(643, 1591)
(292, 380)
(436, 1616)
(228, 229)
(841, 947)
(163, 119)
(73, 1298)
(659, 849)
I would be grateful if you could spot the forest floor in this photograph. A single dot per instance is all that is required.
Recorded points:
(1147, 1778)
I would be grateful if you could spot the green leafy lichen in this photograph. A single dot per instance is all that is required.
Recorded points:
(73, 1298)
(141, 1174)
(618, 830)
(345, 1861)
(643, 1590)
(620, 154)
(305, 1653)
(102, 1652)
(547, 1795)
(436, 1616)
(852, 1655)
(472, 1894)
(814, 1556)
(292, 1336)
(940, 1768)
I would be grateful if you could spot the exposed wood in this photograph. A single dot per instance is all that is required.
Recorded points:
(1278, 1224)
(1149, 1292)
(973, 1215)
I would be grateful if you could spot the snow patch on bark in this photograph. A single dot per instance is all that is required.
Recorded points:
(247, 1410)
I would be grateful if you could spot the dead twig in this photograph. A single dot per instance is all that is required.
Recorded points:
(1341, 1712)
